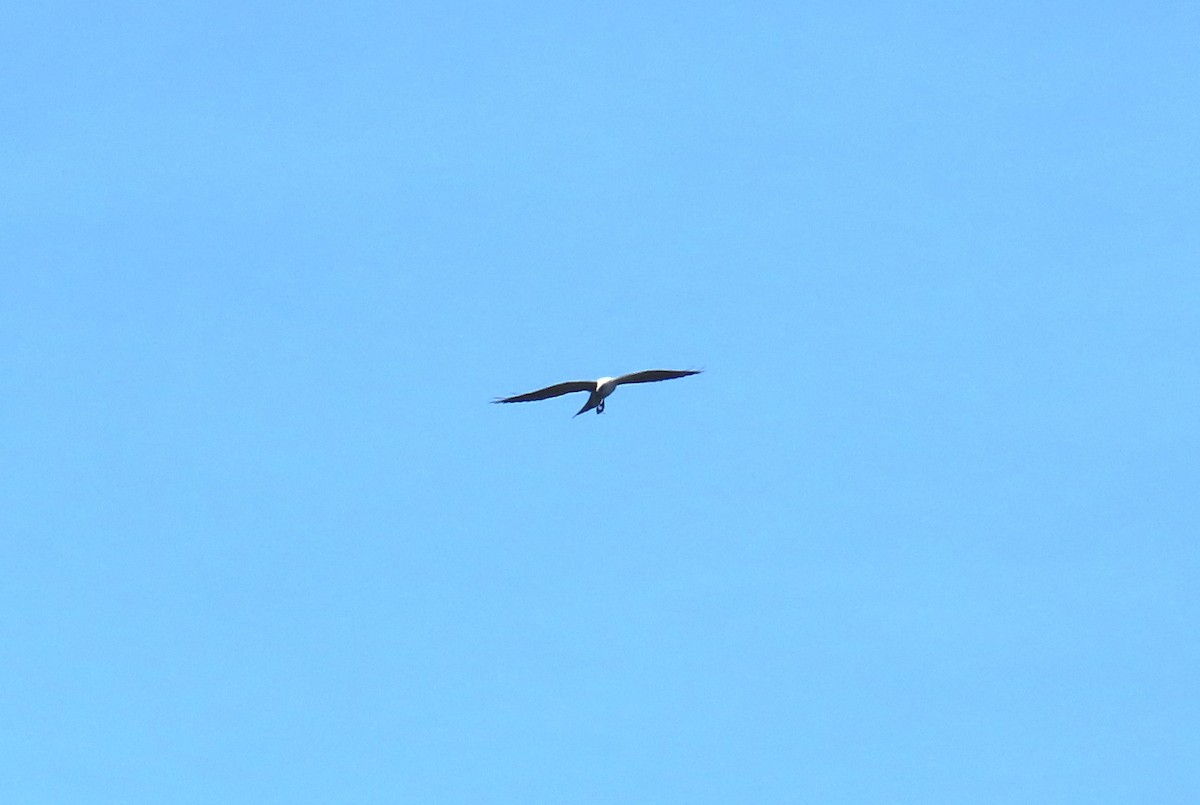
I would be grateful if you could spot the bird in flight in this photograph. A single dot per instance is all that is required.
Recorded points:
(597, 389)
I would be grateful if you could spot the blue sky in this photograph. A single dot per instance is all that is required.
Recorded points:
(925, 530)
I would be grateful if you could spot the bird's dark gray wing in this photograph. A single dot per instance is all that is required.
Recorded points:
(550, 391)
(651, 375)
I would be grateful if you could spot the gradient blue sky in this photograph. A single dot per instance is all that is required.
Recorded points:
(924, 531)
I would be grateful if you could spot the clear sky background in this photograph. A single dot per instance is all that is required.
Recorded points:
(925, 530)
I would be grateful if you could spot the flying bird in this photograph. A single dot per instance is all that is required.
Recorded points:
(597, 389)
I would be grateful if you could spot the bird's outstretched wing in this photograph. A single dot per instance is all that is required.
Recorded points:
(651, 375)
(550, 391)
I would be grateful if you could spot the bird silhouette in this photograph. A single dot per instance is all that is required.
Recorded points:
(597, 390)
